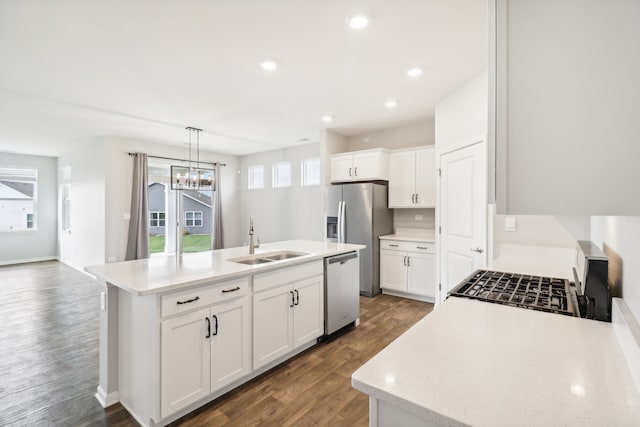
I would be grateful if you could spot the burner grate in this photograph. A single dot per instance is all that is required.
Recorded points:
(518, 290)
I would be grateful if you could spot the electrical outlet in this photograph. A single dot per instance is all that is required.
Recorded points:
(127, 216)
(111, 259)
(510, 224)
(418, 217)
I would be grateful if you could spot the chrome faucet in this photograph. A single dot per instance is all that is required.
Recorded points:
(252, 245)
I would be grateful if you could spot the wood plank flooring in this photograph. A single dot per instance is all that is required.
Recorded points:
(49, 361)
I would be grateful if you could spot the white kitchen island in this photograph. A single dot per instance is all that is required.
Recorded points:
(471, 363)
(177, 332)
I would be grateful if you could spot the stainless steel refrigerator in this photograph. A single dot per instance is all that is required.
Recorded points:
(358, 213)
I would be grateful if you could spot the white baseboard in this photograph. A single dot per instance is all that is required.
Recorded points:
(105, 399)
(24, 261)
(627, 332)
(408, 295)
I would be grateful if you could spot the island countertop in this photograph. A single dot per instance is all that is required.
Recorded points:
(481, 364)
(160, 274)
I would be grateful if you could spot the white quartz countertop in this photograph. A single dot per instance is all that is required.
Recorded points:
(160, 274)
(411, 235)
(481, 364)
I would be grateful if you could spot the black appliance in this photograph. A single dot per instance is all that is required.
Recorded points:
(589, 298)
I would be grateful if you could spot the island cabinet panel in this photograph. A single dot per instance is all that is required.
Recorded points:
(272, 324)
(185, 361)
(202, 351)
(288, 311)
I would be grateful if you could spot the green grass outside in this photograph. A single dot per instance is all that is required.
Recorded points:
(190, 242)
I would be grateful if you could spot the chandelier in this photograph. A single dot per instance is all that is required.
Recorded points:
(192, 177)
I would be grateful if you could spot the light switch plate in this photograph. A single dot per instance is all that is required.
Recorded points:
(510, 224)
(418, 217)
(111, 259)
(127, 216)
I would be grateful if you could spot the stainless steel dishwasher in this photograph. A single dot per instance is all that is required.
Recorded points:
(341, 291)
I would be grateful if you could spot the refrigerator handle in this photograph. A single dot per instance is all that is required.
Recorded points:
(339, 221)
(342, 225)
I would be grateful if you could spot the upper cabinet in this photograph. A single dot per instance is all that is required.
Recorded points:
(564, 102)
(412, 178)
(366, 165)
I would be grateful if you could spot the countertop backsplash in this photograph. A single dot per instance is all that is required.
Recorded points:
(406, 218)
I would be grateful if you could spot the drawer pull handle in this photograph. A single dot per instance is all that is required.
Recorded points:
(188, 301)
(421, 247)
(393, 246)
(237, 288)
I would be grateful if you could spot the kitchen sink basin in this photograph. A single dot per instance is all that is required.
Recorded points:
(281, 255)
(250, 260)
(266, 257)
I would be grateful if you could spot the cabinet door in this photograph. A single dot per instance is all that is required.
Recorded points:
(230, 341)
(367, 166)
(402, 169)
(341, 168)
(308, 311)
(393, 270)
(421, 274)
(425, 178)
(184, 360)
(272, 324)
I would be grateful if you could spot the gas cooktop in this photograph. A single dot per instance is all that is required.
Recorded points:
(518, 290)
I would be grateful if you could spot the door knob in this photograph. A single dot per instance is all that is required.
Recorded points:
(478, 250)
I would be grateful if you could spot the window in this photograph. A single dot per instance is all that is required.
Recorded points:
(156, 219)
(18, 199)
(193, 219)
(282, 174)
(256, 177)
(310, 169)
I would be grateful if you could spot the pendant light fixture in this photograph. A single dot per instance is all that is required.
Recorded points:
(190, 177)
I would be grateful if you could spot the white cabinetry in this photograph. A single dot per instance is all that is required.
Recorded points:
(407, 268)
(366, 165)
(412, 179)
(288, 311)
(204, 350)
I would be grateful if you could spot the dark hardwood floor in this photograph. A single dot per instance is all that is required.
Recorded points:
(49, 361)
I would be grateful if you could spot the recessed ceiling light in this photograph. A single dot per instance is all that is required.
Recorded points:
(327, 119)
(269, 65)
(414, 72)
(391, 104)
(358, 22)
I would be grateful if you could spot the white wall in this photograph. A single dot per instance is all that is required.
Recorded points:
(84, 244)
(540, 230)
(294, 212)
(619, 238)
(462, 117)
(401, 137)
(40, 244)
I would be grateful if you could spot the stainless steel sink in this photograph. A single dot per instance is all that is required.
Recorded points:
(277, 256)
(267, 257)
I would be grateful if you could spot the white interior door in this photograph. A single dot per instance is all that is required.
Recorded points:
(463, 213)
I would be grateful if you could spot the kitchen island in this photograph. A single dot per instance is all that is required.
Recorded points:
(177, 332)
(480, 364)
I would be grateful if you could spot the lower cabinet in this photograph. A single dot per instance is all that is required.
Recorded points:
(203, 351)
(285, 318)
(408, 267)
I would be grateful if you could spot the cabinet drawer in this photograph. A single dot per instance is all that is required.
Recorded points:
(421, 247)
(271, 279)
(180, 302)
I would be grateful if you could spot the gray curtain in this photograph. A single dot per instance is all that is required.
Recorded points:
(138, 241)
(217, 238)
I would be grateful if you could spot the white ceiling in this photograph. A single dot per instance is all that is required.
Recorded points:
(76, 70)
